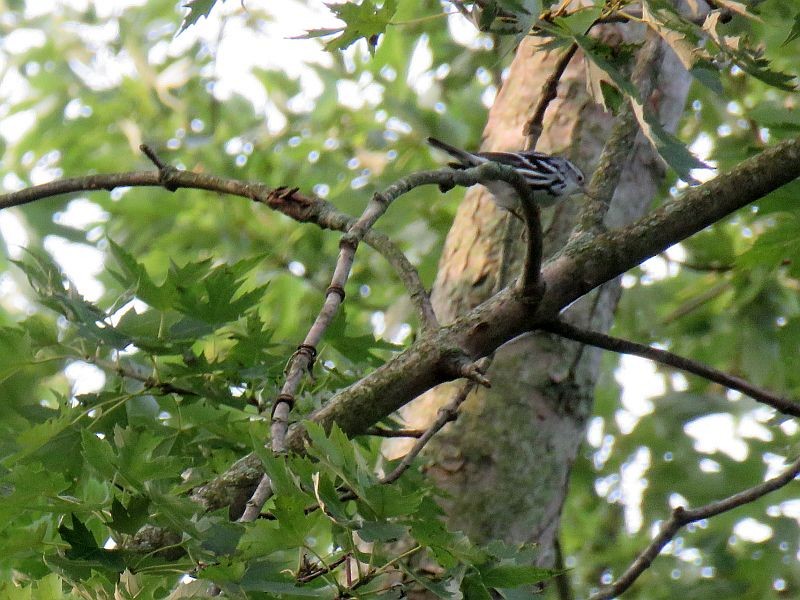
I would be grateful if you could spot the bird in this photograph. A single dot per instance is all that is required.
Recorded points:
(551, 178)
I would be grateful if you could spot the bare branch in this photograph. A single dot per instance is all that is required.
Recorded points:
(154, 158)
(695, 302)
(255, 503)
(712, 267)
(683, 516)
(614, 344)
(460, 365)
(529, 284)
(323, 570)
(394, 433)
(443, 417)
(563, 587)
(533, 128)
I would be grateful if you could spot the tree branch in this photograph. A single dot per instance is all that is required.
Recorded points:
(533, 128)
(614, 344)
(581, 266)
(288, 201)
(443, 416)
(305, 209)
(683, 516)
(303, 359)
(134, 372)
(394, 433)
(313, 573)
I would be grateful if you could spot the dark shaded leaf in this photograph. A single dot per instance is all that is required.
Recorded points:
(795, 31)
(197, 9)
(129, 519)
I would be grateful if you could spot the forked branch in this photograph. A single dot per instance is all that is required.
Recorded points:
(303, 359)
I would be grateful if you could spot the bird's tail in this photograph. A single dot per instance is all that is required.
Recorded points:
(464, 157)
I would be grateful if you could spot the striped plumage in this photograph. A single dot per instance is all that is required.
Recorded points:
(551, 177)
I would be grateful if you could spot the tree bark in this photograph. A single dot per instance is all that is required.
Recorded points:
(505, 462)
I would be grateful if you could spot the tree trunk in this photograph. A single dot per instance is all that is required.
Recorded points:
(506, 461)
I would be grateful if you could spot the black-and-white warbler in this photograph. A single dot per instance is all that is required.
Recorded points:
(551, 178)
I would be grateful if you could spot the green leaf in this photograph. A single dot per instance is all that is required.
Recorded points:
(328, 499)
(222, 537)
(749, 59)
(336, 449)
(99, 454)
(388, 501)
(135, 277)
(777, 245)
(683, 37)
(519, 7)
(83, 550)
(708, 75)
(365, 20)
(509, 576)
(129, 519)
(758, 66)
(579, 21)
(672, 150)
(795, 31)
(380, 531)
(197, 9)
(473, 587)
(215, 295)
(612, 98)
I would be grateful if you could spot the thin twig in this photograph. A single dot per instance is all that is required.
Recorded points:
(374, 573)
(533, 128)
(711, 267)
(683, 516)
(131, 372)
(461, 366)
(528, 284)
(444, 415)
(696, 302)
(394, 433)
(154, 158)
(324, 570)
(614, 344)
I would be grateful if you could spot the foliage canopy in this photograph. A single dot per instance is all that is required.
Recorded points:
(124, 390)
